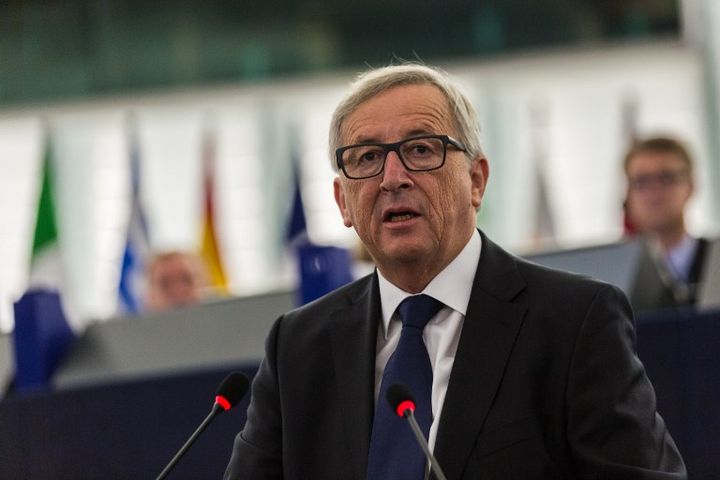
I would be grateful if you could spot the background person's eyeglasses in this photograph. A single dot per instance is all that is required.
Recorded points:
(417, 154)
(663, 179)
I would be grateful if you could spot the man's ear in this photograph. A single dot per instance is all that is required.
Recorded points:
(479, 173)
(340, 200)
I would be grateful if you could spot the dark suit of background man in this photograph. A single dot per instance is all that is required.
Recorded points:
(534, 370)
(659, 173)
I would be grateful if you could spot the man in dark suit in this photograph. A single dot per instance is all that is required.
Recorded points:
(659, 173)
(533, 371)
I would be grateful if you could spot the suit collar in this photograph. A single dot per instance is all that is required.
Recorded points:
(497, 272)
(486, 342)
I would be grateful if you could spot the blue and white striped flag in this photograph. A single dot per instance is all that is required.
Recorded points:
(137, 244)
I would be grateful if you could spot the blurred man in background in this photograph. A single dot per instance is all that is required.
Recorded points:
(659, 174)
(175, 279)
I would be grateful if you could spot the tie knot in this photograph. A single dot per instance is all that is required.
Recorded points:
(416, 311)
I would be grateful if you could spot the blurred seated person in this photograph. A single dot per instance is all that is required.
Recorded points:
(659, 173)
(175, 279)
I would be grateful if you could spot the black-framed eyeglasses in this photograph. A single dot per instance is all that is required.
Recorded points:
(417, 154)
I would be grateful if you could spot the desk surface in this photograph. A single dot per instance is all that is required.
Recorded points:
(206, 336)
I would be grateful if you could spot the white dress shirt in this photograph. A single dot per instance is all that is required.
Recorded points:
(452, 286)
(680, 258)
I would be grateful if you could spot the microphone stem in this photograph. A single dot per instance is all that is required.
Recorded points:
(215, 410)
(434, 465)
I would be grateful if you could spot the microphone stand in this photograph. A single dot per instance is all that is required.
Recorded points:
(434, 465)
(215, 410)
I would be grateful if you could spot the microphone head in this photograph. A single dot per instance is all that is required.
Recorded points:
(401, 399)
(232, 390)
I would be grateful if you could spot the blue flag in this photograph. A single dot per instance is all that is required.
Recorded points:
(137, 244)
(41, 337)
(297, 227)
(321, 268)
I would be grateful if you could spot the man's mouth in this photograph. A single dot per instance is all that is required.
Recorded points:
(400, 216)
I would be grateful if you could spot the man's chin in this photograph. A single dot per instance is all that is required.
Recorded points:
(407, 253)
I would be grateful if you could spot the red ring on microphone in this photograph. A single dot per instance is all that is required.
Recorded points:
(404, 406)
(220, 400)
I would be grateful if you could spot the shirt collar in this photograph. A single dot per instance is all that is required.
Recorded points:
(452, 286)
(681, 256)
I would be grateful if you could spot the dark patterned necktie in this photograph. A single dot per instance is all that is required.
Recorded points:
(394, 452)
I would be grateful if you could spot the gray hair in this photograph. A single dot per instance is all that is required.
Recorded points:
(374, 82)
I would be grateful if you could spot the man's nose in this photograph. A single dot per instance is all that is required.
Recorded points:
(395, 175)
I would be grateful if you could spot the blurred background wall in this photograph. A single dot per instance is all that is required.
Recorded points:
(561, 86)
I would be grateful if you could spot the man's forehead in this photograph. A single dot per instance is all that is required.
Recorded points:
(655, 160)
(400, 111)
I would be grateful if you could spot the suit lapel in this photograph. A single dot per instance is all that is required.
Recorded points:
(487, 339)
(354, 338)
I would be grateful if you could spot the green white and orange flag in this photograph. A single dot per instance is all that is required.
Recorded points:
(209, 250)
(45, 265)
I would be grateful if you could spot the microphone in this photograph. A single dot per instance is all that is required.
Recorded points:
(228, 394)
(402, 402)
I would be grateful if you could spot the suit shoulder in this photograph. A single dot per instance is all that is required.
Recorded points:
(317, 313)
(306, 328)
(507, 275)
(561, 284)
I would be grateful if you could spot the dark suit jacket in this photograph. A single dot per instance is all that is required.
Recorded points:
(654, 288)
(545, 385)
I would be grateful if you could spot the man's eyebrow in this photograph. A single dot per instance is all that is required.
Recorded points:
(418, 132)
(412, 133)
(366, 140)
